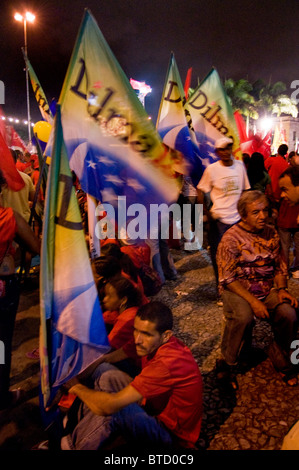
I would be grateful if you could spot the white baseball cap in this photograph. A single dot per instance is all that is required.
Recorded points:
(223, 142)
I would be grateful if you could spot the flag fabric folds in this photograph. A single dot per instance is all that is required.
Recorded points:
(187, 83)
(253, 142)
(14, 140)
(174, 123)
(241, 127)
(212, 117)
(39, 92)
(112, 145)
(72, 333)
(8, 167)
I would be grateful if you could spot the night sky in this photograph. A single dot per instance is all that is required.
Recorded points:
(241, 39)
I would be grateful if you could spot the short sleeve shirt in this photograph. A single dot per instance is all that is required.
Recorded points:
(252, 259)
(171, 384)
(225, 185)
(123, 328)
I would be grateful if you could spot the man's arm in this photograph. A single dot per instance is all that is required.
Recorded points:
(284, 296)
(111, 358)
(257, 305)
(25, 233)
(104, 404)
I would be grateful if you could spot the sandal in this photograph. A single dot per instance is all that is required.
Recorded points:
(290, 378)
(225, 375)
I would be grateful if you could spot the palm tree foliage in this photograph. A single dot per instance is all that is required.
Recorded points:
(259, 99)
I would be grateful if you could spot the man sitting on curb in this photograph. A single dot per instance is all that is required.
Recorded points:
(253, 276)
(160, 406)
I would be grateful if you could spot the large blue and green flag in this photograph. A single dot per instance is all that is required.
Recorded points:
(112, 145)
(212, 117)
(174, 122)
(39, 92)
(73, 333)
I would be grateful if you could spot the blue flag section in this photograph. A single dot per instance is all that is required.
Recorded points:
(111, 143)
(174, 121)
(73, 333)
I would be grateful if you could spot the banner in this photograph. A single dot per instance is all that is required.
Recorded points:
(8, 167)
(241, 127)
(14, 140)
(212, 117)
(73, 333)
(187, 83)
(174, 123)
(39, 93)
(112, 145)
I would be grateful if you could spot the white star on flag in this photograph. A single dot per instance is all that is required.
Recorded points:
(108, 195)
(212, 155)
(113, 179)
(105, 160)
(205, 161)
(135, 184)
(91, 164)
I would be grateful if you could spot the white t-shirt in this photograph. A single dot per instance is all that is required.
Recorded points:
(225, 185)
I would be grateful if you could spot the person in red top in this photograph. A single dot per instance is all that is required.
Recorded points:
(12, 225)
(160, 406)
(122, 301)
(275, 167)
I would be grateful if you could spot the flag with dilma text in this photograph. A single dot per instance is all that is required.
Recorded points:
(212, 117)
(174, 122)
(39, 93)
(73, 333)
(112, 145)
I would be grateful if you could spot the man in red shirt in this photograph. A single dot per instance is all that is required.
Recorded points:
(275, 167)
(162, 405)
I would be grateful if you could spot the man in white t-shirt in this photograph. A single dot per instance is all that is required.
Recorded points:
(222, 183)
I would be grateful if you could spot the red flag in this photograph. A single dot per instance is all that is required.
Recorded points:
(8, 168)
(266, 145)
(3, 125)
(241, 127)
(14, 140)
(187, 83)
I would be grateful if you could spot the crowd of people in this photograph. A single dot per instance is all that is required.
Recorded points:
(148, 387)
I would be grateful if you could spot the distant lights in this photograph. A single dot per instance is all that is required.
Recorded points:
(16, 120)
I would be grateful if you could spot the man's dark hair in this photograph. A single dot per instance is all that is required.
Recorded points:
(293, 173)
(158, 313)
(282, 150)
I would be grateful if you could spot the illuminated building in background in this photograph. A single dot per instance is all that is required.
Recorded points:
(141, 88)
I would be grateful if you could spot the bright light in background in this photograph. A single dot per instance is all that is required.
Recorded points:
(266, 124)
(18, 17)
(28, 17)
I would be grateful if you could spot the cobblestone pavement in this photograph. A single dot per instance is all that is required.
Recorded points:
(255, 417)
